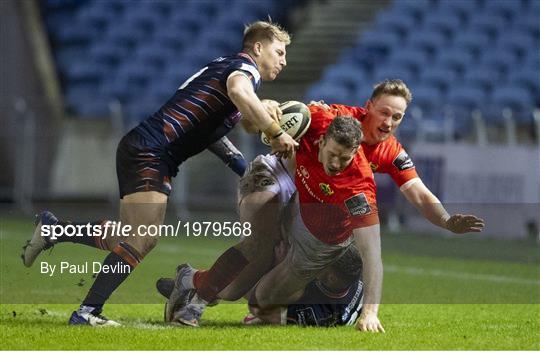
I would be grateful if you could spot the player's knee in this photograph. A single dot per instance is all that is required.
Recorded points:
(145, 244)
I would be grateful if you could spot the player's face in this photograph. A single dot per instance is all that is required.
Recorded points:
(270, 57)
(384, 114)
(335, 157)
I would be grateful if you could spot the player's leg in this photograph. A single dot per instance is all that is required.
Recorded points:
(306, 259)
(144, 189)
(261, 210)
(261, 192)
(85, 233)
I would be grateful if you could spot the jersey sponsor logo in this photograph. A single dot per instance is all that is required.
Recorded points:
(325, 188)
(403, 161)
(358, 205)
(304, 172)
(373, 166)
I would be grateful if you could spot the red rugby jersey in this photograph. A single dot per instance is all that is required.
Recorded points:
(387, 157)
(332, 206)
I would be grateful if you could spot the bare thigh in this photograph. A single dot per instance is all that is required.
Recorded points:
(261, 209)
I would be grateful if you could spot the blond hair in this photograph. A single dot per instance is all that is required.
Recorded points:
(393, 87)
(264, 31)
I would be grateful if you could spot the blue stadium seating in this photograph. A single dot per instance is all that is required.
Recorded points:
(440, 77)
(456, 55)
(466, 54)
(115, 48)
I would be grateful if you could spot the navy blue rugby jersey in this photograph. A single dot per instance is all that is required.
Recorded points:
(200, 112)
(318, 307)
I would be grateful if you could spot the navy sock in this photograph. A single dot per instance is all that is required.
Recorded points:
(123, 259)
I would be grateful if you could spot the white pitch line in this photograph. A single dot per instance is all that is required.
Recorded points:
(417, 271)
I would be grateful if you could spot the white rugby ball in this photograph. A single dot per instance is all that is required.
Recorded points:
(295, 120)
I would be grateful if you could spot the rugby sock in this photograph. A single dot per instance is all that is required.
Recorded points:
(226, 268)
(123, 259)
(84, 235)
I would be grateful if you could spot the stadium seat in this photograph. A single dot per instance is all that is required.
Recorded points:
(472, 42)
(482, 78)
(517, 98)
(498, 59)
(465, 96)
(441, 77)
(509, 9)
(409, 58)
(126, 34)
(395, 21)
(76, 34)
(455, 59)
(98, 17)
(86, 71)
(427, 40)
(528, 23)
(487, 24)
(376, 44)
(445, 23)
(329, 92)
(344, 75)
(514, 97)
(108, 53)
(416, 8)
(428, 99)
(153, 53)
(519, 42)
(386, 72)
(464, 8)
(528, 78)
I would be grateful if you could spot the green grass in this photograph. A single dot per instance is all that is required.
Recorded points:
(439, 294)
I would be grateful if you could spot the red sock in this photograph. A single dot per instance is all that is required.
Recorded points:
(226, 268)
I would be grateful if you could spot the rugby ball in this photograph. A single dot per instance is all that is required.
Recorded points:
(295, 120)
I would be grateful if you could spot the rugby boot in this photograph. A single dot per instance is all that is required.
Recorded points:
(180, 295)
(165, 287)
(85, 317)
(188, 314)
(252, 320)
(38, 243)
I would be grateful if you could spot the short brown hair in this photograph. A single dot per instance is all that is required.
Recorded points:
(393, 87)
(345, 130)
(264, 31)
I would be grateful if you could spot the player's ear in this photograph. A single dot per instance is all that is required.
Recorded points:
(369, 104)
(257, 48)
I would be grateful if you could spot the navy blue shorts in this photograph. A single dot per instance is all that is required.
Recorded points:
(141, 167)
(316, 308)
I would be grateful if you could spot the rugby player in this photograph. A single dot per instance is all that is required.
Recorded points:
(334, 298)
(203, 110)
(381, 117)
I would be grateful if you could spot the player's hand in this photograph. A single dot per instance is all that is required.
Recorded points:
(272, 107)
(460, 224)
(369, 322)
(320, 103)
(283, 146)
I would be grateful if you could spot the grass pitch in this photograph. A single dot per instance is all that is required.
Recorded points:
(451, 294)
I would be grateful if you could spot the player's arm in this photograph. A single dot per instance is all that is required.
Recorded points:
(368, 242)
(241, 93)
(225, 150)
(431, 208)
(272, 107)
